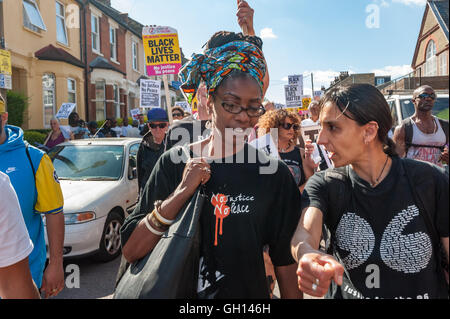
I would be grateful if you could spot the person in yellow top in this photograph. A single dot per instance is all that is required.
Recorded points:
(35, 181)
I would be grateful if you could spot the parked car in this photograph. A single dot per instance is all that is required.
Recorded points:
(99, 184)
(402, 106)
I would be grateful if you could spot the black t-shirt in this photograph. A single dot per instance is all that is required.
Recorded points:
(381, 238)
(186, 131)
(244, 211)
(293, 160)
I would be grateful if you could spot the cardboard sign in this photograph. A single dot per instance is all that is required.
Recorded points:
(65, 110)
(150, 93)
(266, 144)
(162, 50)
(293, 96)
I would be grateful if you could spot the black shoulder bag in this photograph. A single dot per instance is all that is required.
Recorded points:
(171, 269)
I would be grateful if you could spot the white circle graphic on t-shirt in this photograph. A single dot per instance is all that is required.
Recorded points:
(405, 253)
(355, 235)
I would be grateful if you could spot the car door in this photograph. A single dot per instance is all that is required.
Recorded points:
(131, 175)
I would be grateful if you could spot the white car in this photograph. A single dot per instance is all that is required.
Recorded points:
(402, 106)
(99, 184)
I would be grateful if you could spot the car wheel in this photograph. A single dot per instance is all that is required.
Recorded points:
(110, 246)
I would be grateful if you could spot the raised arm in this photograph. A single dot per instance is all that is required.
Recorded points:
(315, 268)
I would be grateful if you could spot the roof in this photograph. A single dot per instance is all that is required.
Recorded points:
(52, 53)
(119, 17)
(440, 11)
(101, 63)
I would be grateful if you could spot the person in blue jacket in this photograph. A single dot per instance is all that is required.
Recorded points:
(35, 181)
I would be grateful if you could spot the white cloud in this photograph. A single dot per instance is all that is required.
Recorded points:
(267, 33)
(412, 2)
(395, 71)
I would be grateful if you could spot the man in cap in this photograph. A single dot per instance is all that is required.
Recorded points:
(152, 145)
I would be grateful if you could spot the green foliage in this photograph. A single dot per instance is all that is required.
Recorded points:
(17, 104)
(33, 137)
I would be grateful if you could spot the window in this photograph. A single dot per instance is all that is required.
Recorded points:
(116, 100)
(100, 101)
(48, 93)
(134, 49)
(95, 33)
(32, 18)
(71, 91)
(443, 63)
(61, 30)
(430, 64)
(113, 43)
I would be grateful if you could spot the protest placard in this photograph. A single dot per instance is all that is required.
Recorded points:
(266, 144)
(310, 132)
(5, 62)
(306, 100)
(318, 95)
(150, 93)
(279, 106)
(162, 50)
(135, 114)
(293, 96)
(65, 110)
(296, 80)
(184, 105)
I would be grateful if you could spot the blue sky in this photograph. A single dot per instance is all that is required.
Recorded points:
(300, 36)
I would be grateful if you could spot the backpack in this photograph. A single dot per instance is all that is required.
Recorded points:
(408, 125)
(423, 191)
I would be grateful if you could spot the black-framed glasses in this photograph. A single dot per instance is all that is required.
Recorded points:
(425, 95)
(287, 126)
(236, 109)
(160, 125)
(177, 115)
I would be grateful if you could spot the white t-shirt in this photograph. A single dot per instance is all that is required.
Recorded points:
(15, 243)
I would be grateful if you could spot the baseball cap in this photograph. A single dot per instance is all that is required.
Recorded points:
(157, 114)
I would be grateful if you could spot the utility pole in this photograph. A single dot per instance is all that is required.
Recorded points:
(312, 86)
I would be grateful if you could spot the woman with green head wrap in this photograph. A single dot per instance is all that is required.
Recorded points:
(247, 207)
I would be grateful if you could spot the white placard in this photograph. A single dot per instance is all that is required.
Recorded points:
(135, 114)
(65, 110)
(5, 81)
(293, 96)
(266, 144)
(310, 132)
(296, 80)
(150, 93)
(184, 105)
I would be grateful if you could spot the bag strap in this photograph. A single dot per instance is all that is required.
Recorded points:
(408, 125)
(444, 125)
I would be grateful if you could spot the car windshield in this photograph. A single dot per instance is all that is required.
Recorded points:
(88, 162)
(440, 108)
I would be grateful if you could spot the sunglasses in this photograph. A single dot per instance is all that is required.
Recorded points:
(425, 95)
(160, 125)
(287, 126)
(177, 115)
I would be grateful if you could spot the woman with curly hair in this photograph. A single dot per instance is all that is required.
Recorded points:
(287, 126)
